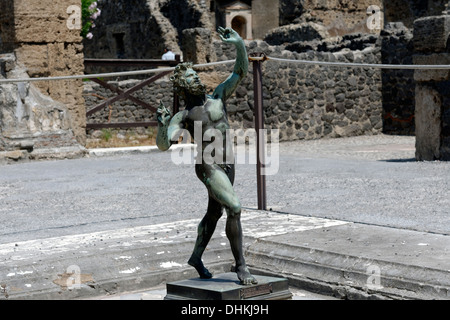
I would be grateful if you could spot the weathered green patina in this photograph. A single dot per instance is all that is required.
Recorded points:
(218, 176)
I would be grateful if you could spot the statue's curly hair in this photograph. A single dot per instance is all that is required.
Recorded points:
(179, 81)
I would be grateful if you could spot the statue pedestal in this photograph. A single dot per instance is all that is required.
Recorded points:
(226, 286)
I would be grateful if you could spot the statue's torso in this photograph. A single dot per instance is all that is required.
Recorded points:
(214, 123)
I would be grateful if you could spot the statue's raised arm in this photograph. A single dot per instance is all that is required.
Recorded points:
(226, 88)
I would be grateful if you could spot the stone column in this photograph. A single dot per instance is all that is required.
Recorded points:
(432, 114)
(36, 31)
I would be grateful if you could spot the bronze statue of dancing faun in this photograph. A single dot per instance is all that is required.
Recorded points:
(218, 176)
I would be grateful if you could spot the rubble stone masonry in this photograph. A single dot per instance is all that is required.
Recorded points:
(304, 102)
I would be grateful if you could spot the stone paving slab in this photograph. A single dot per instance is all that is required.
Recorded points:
(367, 261)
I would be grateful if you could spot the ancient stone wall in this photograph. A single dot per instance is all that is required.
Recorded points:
(304, 102)
(265, 16)
(125, 111)
(379, 101)
(291, 11)
(342, 17)
(36, 31)
(398, 85)
(32, 125)
(432, 113)
(311, 102)
(197, 47)
(339, 17)
(141, 29)
(406, 11)
(121, 29)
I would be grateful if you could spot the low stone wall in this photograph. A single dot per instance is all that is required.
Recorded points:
(125, 110)
(311, 102)
(304, 102)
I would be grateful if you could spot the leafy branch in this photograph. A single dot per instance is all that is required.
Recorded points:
(89, 13)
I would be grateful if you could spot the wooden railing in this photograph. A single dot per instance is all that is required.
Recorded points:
(127, 95)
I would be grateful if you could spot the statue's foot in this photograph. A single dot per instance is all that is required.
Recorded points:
(198, 265)
(244, 275)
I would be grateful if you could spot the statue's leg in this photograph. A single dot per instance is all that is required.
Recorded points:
(219, 184)
(205, 231)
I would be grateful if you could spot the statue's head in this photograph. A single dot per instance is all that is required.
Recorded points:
(186, 80)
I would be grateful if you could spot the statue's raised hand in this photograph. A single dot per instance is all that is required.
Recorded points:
(163, 114)
(229, 35)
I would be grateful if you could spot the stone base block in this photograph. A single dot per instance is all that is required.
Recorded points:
(226, 286)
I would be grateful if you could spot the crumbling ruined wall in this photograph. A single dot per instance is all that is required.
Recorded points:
(406, 11)
(398, 85)
(304, 102)
(141, 29)
(311, 102)
(432, 114)
(36, 31)
(265, 16)
(184, 14)
(356, 101)
(339, 17)
(350, 16)
(125, 29)
(32, 125)
(197, 46)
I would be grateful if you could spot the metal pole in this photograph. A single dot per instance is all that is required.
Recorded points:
(176, 103)
(176, 100)
(257, 60)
